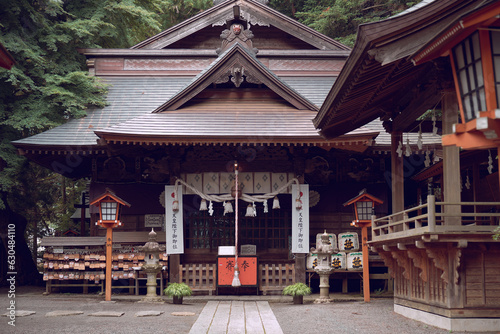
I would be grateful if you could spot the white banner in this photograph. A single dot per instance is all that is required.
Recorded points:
(300, 219)
(174, 223)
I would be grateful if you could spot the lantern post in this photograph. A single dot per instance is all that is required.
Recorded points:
(364, 205)
(109, 213)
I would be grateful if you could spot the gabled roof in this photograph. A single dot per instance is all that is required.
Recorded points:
(201, 114)
(254, 12)
(379, 77)
(237, 57)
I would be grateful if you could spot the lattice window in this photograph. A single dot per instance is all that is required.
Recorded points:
(266, 230)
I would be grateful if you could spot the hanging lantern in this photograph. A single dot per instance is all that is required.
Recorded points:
(203, 205)
(276, 203)
(249, 211)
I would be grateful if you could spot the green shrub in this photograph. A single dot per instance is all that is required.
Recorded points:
(177, 290)
(297, 289)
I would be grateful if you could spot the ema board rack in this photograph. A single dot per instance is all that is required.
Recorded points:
(85, 265)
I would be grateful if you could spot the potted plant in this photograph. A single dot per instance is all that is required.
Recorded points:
(177, 291)
(297, 291)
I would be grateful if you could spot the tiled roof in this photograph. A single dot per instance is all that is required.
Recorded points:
(128, 98)
(131, 97)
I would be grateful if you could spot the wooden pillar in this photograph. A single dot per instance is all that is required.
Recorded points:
(397, 174)
(451, 159)
(174, 261)
(109, 255)
(366, 264)
(300, 268)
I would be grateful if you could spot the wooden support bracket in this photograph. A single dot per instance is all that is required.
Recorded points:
(420, 260)
(403, 261)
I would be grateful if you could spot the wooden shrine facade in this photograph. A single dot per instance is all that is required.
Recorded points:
(237, 82)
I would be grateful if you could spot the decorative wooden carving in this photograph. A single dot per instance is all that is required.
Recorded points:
(441, 256)
(388, 261)
(253, 20)
(114, 169)
(235, 34)
(252, 79)
(420, 260)
(440, 259)
(238, 74)
(223, 20)
(403, 261)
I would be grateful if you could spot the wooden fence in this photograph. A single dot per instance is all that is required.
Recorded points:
(199, 277)
(275, 277)
(203, 277)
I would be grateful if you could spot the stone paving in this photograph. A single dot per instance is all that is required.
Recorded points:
(236, 317)
(201, 314)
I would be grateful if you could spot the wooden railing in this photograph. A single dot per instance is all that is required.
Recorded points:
(438, 217)
(275, 277)
(199, 277)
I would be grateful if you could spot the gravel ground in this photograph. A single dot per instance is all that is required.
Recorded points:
(340, 317)
(348, 317)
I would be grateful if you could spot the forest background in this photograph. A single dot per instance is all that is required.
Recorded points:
(49, 85)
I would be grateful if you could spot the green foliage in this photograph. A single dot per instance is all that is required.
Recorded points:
(176, 11)
(297, 289)
(49, 85)
(339, 19)
(496, 236)
(177, 290)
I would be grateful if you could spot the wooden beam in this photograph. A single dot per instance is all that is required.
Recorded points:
(421, 102)
(451, 159)
(397, 174)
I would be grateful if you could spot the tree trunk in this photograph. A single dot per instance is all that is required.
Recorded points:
(25, 268)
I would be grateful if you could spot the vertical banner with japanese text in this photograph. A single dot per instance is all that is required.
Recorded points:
(174, 223)
(300, 219)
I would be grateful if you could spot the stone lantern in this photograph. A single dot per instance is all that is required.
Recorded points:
(152, 266)
(324, 250)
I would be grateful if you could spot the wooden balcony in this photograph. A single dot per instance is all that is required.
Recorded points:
(434, 221)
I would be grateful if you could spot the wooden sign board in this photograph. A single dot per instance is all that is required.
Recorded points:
(154, 220)
(248, 270)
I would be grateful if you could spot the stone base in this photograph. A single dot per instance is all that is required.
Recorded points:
(155, 300)
(451, 324)
(323, 301)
